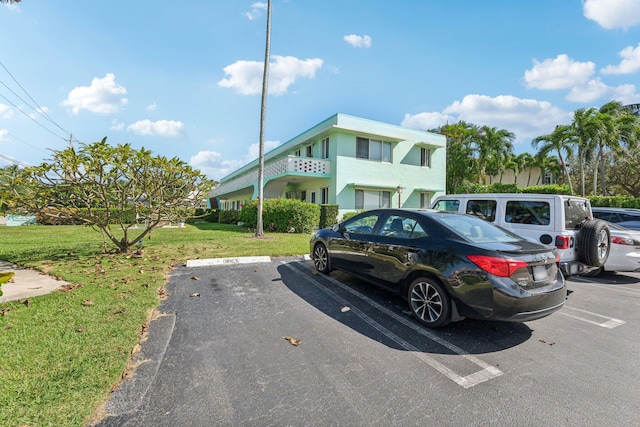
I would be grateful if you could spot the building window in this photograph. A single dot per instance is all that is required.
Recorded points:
(548, 178)
(303, 195)
(366, 199)
(325, 148)
(373, 149)
(309, 150)
(425, 200)
(325, 196)
(297, 153)
(425, 157)
(313, 197)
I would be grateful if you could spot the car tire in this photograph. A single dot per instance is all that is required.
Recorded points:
(429, 302)
(321, 260)
(594, 242)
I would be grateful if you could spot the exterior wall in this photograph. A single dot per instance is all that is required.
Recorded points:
(342, 173)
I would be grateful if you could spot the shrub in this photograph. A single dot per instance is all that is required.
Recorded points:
(229, 217)
(328, 215)
(615, 201)
(282, 215)
(348, 215)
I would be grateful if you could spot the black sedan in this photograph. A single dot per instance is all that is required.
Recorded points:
(447, 265)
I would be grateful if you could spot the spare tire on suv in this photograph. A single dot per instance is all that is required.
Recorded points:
(592, 244)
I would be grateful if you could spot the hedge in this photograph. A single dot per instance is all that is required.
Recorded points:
(328, 215)
(282, 215)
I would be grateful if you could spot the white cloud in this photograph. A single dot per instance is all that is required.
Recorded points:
(630, 62)
(152, 107)
(256, 10)
(116, 125)
(426, 121)
(5, 112)
(211, 163)
(168, 128)
(594, 90)
(358, 41)
(611, 14)
(559, 73)
(104, 96)
(3, 132)
(246, 76)
(526, 118)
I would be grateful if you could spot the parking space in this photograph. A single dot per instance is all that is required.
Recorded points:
(363, 360)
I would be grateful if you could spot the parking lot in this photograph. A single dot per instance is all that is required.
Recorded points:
(218, 356)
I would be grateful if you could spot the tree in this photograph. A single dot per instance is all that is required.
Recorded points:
(99, 184)
(494, 147)
(585, 128)
(459, 154)
(263, 113)
(561, 140)
(9, 1)
(8, 176)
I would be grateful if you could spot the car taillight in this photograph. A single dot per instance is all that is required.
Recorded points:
(497, 266)
(563, 242)
(622, 240)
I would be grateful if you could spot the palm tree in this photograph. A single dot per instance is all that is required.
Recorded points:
(585, 128)
(494, 146)
(562, 141)
(263, 110)
(9, 1)
(459, 154)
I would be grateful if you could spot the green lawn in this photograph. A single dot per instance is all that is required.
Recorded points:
(61, 354)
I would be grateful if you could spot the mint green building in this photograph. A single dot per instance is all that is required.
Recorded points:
(349, 161)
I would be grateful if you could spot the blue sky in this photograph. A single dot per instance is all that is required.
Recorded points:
(184, 78)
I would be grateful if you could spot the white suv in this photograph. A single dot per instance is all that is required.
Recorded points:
(563, 222)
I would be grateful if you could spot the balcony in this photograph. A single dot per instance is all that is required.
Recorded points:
(292, 165)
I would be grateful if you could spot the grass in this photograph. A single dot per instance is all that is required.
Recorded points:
(62, 353)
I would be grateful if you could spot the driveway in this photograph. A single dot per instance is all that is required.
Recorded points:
(218, 356)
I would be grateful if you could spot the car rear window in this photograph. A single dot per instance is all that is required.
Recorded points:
(477, 230)
(485, 209)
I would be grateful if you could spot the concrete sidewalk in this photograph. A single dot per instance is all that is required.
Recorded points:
(27, 283)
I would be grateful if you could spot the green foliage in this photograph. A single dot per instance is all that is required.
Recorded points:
(328, 215)
(229, 217)
(547, 189)
(348, 215)
(100, 185)
(615, 201)
(207, 215)
(282, 215)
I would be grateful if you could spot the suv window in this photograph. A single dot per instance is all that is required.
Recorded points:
(485, 209)
(576, 211)
(447, 205)
(527, 212)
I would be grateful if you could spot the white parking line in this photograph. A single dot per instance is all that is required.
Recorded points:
(609, 324)
(486, 373)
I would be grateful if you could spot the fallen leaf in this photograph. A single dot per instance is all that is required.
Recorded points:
(546, 342)
(80, 329)
(195, 278)
(345, 309)
(195, 295)
(87, 302)
(292, 340)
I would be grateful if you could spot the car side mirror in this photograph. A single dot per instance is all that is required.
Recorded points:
(337, 228)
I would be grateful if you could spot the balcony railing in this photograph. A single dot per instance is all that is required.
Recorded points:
(292, 164)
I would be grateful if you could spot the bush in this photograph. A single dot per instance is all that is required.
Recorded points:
(328, 215)
(229, 217)
(207, 215)
(282, 215)
(348, 215)
(615, 201)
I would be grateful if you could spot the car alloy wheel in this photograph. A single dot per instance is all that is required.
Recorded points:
(429, 303)
(321, 258)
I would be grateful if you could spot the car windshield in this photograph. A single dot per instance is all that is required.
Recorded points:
(476, 229)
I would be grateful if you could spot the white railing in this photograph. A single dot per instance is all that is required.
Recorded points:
(291, 164)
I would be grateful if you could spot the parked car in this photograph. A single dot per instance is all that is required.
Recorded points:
(627, 218)
(562, 222)
(448, 266)
(625, 251)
